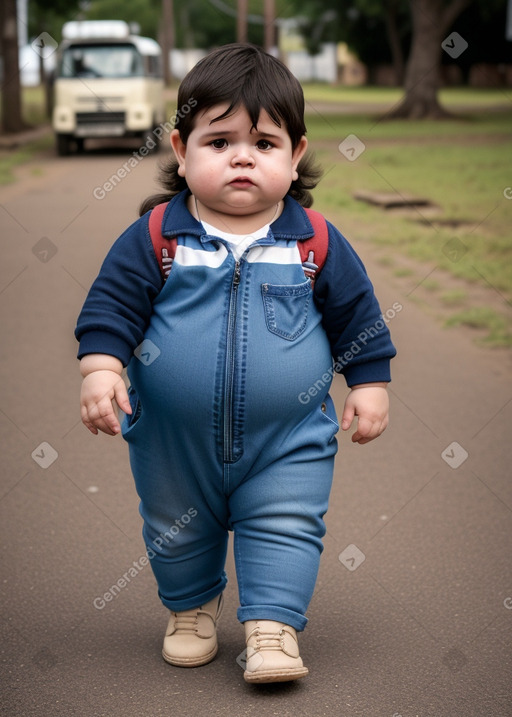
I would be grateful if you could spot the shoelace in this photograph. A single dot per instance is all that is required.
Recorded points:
(269, 640)
(186, 623)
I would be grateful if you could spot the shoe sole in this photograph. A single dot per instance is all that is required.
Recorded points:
(190, 661)
(276, 675)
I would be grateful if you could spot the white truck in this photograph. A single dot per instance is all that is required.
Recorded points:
(108, 84)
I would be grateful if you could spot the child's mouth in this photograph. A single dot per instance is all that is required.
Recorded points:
(242, 183)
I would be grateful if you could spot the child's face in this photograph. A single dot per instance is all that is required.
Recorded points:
(234, 171)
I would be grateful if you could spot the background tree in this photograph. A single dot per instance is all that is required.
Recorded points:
(210, 23)
(480, 37)
(431, 23)
(377, 31)
(380, 32)
(146, 13)
(197, 23)
(11, 88)
(167, 38)
(242, 21)
(483, 25)
(48, 16)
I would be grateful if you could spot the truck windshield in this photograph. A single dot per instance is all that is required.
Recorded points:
(110, 61)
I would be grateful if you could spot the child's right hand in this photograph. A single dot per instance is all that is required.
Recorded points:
(100, 389)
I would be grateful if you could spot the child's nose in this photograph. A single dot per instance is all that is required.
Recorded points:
(242, 157)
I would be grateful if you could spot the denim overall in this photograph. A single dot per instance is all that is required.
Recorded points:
(219, 439)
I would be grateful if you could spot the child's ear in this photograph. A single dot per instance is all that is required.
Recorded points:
(297, 155)
(179, 149)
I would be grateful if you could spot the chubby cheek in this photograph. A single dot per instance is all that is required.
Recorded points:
(278, 182)
(207, 181)
(200, 176)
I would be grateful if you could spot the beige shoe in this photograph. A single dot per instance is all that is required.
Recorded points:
(272, 652)
(191, 636)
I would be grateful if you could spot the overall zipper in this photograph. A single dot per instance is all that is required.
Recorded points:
(230, 367)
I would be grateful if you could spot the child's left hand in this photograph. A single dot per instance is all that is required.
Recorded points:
(370, 403)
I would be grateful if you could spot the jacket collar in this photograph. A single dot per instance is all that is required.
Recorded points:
(293, 223)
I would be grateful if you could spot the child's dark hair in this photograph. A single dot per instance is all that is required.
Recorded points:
(241, 75)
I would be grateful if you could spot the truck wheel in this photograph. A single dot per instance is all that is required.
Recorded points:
(150, 141)
(63, 145)
(157, 139)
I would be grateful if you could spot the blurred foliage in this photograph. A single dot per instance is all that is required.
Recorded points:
(144, 12)
(49, 16)
(359, 23)
(198, 23)
(210, 23)
(362, 24)
(483, 26)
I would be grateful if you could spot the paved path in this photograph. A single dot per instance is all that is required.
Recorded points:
(412, 613)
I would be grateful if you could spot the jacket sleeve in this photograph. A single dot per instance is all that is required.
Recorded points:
(117, 309)
(358, 334)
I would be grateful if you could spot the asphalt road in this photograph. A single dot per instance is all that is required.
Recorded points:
(412, 613)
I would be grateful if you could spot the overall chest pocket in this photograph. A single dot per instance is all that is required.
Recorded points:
(286, 308)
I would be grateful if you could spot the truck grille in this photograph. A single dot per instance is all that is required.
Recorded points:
(93, 100)
(100, 117)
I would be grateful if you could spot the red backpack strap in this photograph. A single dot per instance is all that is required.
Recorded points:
(164, 248)
(313, 251)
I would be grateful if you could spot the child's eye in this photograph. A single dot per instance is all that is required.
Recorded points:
(219, 144)
(264, 144)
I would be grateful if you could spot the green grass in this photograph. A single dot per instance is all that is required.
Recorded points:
(10, 161)
(431, 285)
(402, 271)
(495, 325)
(461, 166)
(454, 297)
(452, 98)
(34, 106)
(34, 116)
(329, 125)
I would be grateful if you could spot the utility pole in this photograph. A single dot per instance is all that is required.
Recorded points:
(269, 14)
(241, 20)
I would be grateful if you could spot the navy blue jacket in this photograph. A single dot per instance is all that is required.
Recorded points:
(118, 307)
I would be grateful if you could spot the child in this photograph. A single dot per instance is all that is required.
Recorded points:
(228, 418)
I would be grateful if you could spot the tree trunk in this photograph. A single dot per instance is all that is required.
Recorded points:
(241, 20)
(394, 40)
(431, 20)
(46, 82)
(11, 87)
(269, 13)
(167, 39)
